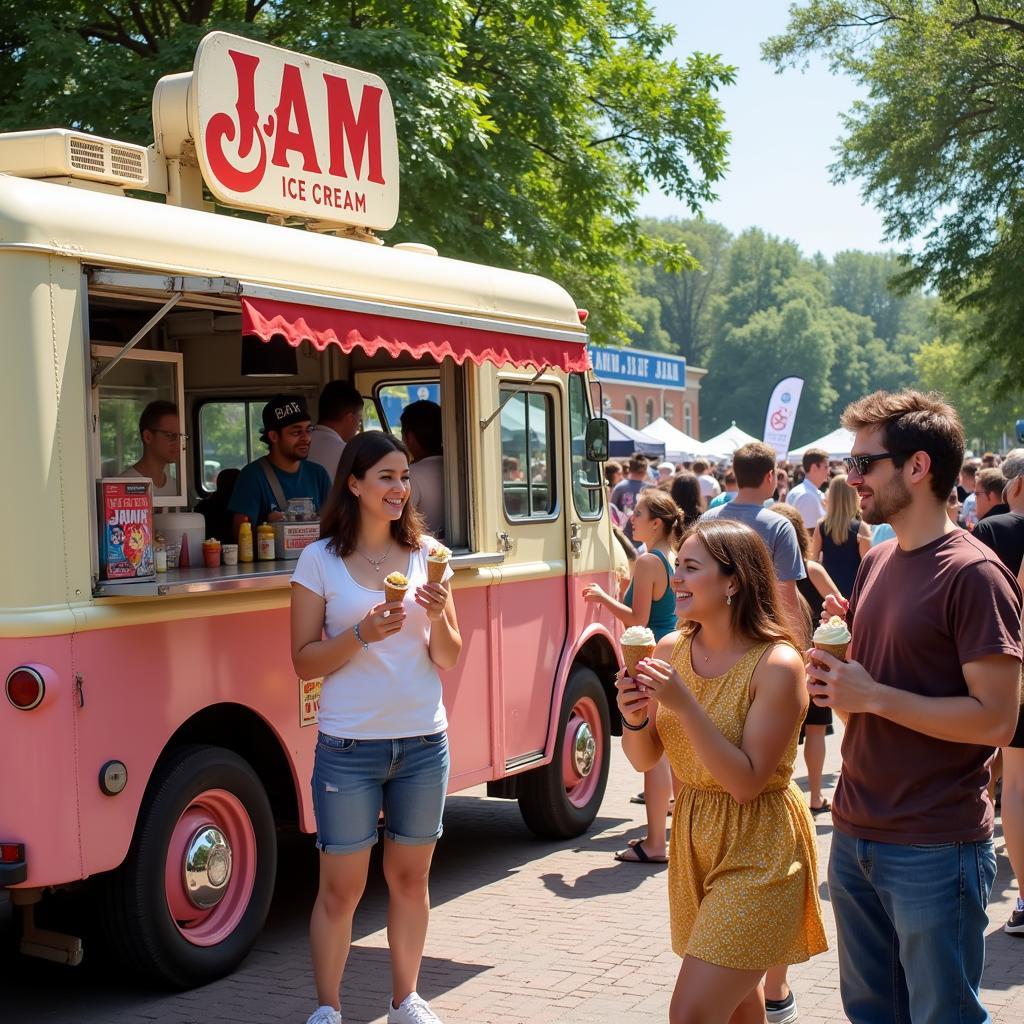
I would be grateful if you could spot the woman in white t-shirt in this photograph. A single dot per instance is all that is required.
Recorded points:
(382, 740)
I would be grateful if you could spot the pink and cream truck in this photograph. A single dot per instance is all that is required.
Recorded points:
(153, 736)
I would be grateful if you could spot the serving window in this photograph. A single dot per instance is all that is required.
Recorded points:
(140, 377)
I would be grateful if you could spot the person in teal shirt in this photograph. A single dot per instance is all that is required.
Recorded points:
(658, 524)
(264, 486)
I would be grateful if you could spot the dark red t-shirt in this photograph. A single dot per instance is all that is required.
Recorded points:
(916, 617)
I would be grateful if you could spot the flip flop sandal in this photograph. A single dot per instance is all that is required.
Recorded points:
(639, 856)
(824, 808)
(638, 799)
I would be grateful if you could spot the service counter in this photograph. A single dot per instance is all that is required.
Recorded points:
(244, 576)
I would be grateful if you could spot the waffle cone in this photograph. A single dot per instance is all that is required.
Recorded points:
(836, 650)
(633, 654)
(394, 593)
(435, 571)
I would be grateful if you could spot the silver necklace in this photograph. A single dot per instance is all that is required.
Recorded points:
(377, 562)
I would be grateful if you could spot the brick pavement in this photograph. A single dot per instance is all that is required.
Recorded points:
(522, 931)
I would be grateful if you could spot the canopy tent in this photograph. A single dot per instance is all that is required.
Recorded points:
(722, 445)
(837, 444)
(679, 447)
(624, 440)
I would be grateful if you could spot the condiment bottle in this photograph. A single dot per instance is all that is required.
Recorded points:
(265, 542)
(245, 540)
(160, 554)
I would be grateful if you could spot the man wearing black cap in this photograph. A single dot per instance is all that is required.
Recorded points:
(264, 486)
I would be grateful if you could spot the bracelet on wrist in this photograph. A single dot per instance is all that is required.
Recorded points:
(635, 728)
(355, 629)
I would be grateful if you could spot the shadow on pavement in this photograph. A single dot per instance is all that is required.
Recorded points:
(484, 841)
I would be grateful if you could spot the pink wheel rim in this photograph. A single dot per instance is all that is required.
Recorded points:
(224, 811)
(581, 786)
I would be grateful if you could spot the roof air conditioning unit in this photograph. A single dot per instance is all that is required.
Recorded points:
(59, 153)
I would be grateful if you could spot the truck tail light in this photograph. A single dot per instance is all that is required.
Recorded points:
(25, 688)
(12, 853)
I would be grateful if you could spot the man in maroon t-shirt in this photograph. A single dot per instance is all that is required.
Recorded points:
(931, 688)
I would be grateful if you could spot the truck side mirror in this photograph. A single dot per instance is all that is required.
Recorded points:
(597, 440)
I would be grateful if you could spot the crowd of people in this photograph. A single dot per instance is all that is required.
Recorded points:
(885, 547)
(732, 569)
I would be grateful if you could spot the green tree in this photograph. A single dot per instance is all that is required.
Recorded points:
(938, 144)
(527, 131)
(943, 365)
(686, 296)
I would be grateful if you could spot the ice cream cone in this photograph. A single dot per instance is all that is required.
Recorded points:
(393, 593)
(435, 571)
(836, 650)
(633, 654)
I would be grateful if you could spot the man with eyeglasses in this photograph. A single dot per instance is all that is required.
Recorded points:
(930, 690)
(160, 430)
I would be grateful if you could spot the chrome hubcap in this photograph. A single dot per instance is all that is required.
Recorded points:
(207, 867)
(583, 750)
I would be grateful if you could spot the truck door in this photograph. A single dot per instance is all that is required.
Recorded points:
(532, 613)
(590, 539)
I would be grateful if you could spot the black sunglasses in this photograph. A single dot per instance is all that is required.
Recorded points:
(860, 464)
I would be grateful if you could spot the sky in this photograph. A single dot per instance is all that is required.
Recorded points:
(784, 128)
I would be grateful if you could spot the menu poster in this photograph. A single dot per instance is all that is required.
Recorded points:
(126, 528)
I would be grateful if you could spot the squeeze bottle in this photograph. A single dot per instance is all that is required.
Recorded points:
(245, 540)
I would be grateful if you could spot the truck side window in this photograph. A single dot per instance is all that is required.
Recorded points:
(229, 437)
(586, 499)
(527, 464)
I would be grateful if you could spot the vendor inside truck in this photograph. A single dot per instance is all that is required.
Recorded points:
(160, 430)
(264, 486)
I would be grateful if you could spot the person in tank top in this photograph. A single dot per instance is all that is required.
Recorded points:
(841, 539)
(724, 698)
(657, 523)
(382, 740)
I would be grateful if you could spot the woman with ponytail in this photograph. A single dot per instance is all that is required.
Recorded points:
(657, 523)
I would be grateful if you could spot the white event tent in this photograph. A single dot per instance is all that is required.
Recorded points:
(837, 444)
(679, 447)
(722, 445)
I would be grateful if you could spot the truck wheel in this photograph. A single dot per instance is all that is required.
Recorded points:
(190, 900)
(561, 799)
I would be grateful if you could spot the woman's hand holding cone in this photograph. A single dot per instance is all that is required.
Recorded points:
(381, 621)
(432, 598)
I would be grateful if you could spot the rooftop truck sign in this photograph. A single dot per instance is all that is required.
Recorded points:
(292, 135)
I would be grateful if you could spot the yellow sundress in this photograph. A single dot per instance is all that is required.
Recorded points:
(742, 878)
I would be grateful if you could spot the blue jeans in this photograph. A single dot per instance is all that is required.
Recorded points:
(354, 779)
(911, 923)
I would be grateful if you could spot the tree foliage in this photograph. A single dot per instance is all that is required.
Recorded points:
(938, 144)
(758, 310)
(527, 131)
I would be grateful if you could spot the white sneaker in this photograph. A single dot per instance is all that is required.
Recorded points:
(325, 1015)
(412, 1010)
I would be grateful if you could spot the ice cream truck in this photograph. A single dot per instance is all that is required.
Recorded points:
(154, 739)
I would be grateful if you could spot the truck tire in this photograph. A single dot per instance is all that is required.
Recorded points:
(205, 810)
(561, 799)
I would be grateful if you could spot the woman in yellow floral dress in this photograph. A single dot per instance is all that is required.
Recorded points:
(724, 698)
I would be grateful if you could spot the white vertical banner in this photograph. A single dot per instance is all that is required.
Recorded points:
(781, 414)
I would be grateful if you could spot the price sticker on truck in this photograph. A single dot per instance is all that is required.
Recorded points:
(309, 701)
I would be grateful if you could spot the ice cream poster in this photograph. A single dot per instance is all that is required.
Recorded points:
(126, 528)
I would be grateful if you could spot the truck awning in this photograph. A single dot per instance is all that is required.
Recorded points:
(371, 327)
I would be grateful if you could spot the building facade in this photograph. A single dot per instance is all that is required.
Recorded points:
(639, 387)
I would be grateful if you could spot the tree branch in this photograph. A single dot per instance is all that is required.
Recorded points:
(990, 19)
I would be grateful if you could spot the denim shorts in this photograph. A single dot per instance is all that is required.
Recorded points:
(354, 779)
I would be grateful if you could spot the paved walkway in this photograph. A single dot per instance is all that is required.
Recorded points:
(522, 931)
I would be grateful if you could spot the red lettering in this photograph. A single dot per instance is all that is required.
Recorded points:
(361, 202)
(293, 104)
(221, 126)
(361, 133)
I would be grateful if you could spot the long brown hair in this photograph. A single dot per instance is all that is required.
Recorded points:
(803, 538)
(340, 519)
(661, 507)
(756, 607)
